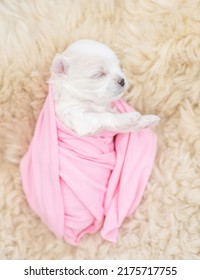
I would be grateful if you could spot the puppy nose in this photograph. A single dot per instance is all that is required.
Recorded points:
(121, 82)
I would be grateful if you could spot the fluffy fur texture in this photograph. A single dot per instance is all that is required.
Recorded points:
(86, 79)
(158, 43)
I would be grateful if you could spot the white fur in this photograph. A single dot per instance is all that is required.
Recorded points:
(85, 81)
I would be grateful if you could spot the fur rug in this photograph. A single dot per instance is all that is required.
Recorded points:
(158, 43)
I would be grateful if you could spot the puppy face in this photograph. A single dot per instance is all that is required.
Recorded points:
(90, 71)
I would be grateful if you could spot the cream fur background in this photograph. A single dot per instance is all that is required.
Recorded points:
(158, 43)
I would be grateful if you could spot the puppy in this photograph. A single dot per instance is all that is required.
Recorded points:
(86, 79)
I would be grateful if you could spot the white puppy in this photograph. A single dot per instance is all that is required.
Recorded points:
(86, 79)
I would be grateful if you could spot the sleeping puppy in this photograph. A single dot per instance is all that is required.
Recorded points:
(86, 80)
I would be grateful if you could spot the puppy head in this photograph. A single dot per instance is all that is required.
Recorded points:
(90, 71)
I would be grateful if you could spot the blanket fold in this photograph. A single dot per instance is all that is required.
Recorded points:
(78, 185)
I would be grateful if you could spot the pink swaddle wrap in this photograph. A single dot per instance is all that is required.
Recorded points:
(77, 185)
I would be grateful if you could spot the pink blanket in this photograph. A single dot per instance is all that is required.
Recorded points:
(77, 185)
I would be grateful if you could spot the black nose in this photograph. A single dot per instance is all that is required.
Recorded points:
(121, 82)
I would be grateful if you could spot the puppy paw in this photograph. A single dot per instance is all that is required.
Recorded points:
(148, 121)
(131, 118)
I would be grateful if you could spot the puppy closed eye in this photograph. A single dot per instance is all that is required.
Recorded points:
(99, 75)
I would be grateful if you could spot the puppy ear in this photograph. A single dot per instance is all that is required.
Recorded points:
(59, 65)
